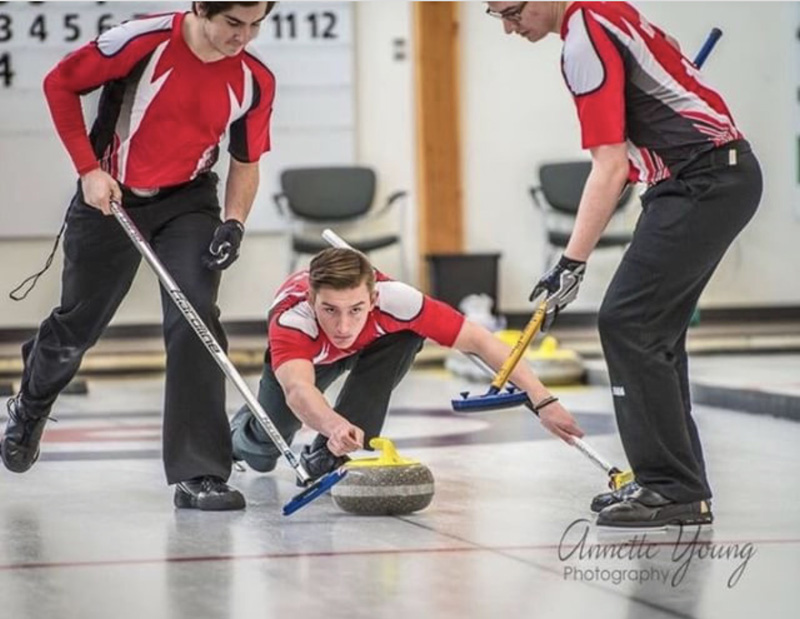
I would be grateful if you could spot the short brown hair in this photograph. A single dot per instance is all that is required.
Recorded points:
(340, 269)
(214, 8)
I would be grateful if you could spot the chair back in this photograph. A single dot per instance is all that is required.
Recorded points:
(329, 194)
(562, 185)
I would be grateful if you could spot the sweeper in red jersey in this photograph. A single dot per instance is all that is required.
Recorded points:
(646, 115)
(172, 86)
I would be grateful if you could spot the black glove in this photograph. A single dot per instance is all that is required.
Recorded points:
(561, 285)
(224, 247)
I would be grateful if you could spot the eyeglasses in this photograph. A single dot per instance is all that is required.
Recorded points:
(512, 13)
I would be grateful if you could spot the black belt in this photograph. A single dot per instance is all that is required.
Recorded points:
(722, 157)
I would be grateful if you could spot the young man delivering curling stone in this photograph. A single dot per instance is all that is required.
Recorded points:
(342, 315)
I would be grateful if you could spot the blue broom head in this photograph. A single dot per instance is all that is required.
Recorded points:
(510, 398)
(318, 488)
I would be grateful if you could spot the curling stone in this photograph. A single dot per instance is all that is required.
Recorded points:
(553, 365)
(384, 486)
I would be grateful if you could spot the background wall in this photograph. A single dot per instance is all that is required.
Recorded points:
(516, 113)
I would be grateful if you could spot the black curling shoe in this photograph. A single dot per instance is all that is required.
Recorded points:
(646, 508)
(20, 444)
(207, 494)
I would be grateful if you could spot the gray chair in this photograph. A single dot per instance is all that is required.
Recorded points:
(312, 199)
(558, 197)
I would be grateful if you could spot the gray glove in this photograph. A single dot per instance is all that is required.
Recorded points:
(561, 285)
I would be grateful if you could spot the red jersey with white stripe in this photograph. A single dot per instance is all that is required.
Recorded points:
(294, 332)
(631, 85)
(163, 111)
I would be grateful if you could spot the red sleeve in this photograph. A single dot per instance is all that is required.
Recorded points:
(286, 344)
(595, 74)
(403, 307)
(250, 135)
(439, 321)
(113, 55)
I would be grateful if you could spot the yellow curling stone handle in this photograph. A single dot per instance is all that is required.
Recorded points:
(388, 457)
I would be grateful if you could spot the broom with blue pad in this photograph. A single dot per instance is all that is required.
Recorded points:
(500, 396)
(319, 487)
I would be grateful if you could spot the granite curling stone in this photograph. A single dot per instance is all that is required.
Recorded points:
(388, 485)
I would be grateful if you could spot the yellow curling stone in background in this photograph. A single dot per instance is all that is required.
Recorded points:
(551, 363)
(384, 486)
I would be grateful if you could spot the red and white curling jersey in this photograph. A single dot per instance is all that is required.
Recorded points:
(631, 85)
(294, 332)
(163, 111)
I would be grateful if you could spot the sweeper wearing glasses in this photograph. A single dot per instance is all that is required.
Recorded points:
(646, 116)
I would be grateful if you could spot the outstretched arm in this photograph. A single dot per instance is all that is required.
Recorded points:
(296, 378)
(475, 339)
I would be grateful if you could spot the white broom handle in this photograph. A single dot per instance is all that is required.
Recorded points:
(206, 337)
(334, 240)
(578, 443)
(590, 453)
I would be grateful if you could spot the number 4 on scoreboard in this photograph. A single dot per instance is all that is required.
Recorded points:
(6, 74)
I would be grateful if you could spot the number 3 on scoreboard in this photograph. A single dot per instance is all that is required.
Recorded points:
(5, 28)
(6, 74)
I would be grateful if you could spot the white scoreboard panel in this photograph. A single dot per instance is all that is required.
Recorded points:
(307, 45)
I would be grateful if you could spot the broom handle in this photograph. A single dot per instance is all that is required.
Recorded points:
(334, 240)
(709, 44)
(211, 344)
(581, 445)
(531, 329)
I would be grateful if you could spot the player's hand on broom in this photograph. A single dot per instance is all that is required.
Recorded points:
(558, 420)
(99, 188)
(560, 284)
(344, 437)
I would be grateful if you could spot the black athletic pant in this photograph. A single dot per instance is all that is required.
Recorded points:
(685, 228)
(100, 262)
(363, 400)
